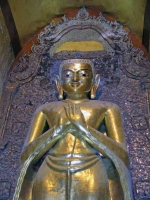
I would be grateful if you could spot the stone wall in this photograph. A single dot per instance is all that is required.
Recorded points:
(6, 54)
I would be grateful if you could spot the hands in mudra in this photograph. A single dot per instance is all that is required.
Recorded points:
(71, 118)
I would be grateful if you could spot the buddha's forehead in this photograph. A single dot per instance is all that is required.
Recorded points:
(76, 67)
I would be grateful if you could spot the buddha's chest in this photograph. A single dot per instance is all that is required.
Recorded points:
(72, 145)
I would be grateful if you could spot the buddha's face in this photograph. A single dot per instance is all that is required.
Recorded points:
(76, 78)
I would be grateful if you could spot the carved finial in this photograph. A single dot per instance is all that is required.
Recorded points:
(83, 14)
(64, 18)
(77, 55)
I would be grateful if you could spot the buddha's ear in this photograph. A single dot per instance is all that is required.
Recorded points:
(95, 86)
(59, 87)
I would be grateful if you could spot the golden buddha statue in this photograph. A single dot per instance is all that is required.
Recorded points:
(80, 162)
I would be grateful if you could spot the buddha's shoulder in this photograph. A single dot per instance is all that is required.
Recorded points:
(105, 104)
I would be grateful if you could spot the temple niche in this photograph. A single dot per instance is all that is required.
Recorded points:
(125, 81)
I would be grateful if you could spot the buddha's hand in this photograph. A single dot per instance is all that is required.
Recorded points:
(75, 116)
(63, 123)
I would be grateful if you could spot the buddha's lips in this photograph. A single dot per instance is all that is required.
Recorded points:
(75, 84)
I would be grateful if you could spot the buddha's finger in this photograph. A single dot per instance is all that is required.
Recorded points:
(66, 111)
(74, 109)
(78, 110)
(70, 110)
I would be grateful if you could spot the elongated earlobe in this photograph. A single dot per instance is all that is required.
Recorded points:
(93, 93)
(95, 86)
(60, 94)
(59, 87)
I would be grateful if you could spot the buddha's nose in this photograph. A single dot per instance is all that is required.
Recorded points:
(76, 76)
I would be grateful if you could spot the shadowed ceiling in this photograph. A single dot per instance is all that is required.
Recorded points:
(31, 15)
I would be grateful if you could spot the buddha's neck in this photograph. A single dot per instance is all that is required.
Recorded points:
(77, 98)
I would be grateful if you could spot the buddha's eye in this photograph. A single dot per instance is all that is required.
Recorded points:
(84, 73)
(67, 74)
